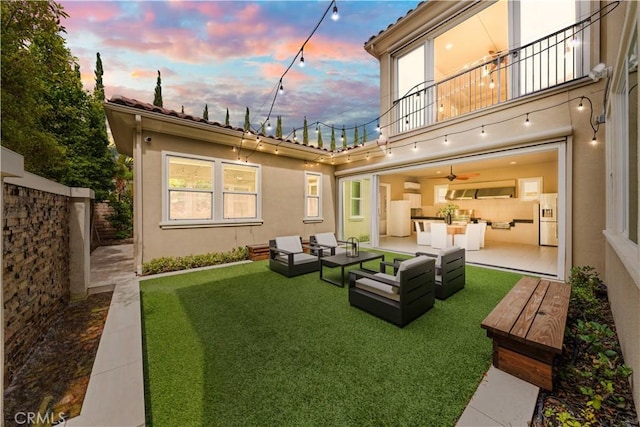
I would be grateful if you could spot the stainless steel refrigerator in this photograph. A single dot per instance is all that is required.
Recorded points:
(548, 219)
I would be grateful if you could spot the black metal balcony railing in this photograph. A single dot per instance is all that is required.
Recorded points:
(550, 61)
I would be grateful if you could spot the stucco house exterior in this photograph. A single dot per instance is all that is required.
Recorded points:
(492, 90)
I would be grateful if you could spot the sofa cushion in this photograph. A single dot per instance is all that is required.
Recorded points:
(299, 258)
(408, 263)
(326, 239)
(377, 288)
(445, 252)
(289, 243)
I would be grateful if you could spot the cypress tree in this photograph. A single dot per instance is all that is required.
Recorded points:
(247, 122)
(344, 137)
(98, 91)
(226, 119)
(279, 127)
(205, 113)
(182, 109)
(356, 138)
(157, 98)
(262, 130)
(320, 143)
(333, 139)
(364, 135)
(305, 132)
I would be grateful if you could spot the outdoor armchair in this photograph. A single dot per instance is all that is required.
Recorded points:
(287, 257)
(398, 299)
(450, 271)
(328, 243)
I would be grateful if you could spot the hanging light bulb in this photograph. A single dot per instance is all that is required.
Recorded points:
(580, 106)
(492, 84)
(295, 138)
(526, 121)
(482, 132)
(446, 140)
(281, 90)
(335, 15)
(276, 150)
(268, 125)
(233, 148)
(378, 126)
(389, 151)
(349, 158)
(415, 146)
(594, 140)
(441, 108)
(317, 128)
(367, 155)
(302, 57)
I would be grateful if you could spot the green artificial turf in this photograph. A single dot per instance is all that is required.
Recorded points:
(241, 346)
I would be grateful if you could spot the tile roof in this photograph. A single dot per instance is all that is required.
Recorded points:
(394, 23)
(134, 103)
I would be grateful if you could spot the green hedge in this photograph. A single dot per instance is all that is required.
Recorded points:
(167, 264)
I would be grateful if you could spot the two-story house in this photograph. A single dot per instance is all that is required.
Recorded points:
(540, 97)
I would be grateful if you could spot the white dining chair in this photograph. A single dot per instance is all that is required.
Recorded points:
(440, 239)
(470, 240)
(423, 233)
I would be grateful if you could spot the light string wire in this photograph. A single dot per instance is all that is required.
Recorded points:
(410, 92)
(486, 126)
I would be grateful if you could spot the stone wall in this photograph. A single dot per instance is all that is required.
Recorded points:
(102, 226)
(35, 268)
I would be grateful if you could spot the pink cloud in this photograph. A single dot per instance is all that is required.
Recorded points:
(98, 12)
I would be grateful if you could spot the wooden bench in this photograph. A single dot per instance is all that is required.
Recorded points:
(527, 328)
(259, 252)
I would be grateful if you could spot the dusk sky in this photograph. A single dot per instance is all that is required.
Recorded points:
(231, 54)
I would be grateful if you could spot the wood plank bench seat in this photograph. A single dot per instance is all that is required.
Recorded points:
(258, 252)
(527, 329)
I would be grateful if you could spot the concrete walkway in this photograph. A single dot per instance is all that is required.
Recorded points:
(115, 395)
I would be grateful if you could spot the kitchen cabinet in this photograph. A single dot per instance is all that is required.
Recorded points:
(414, 198)
(399, 218)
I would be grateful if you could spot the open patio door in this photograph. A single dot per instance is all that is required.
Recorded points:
(384, 201)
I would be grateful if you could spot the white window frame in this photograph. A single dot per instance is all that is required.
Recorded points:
(307, 216)
(352, 199)
(617, 133)
(437, 192)
(218, 192)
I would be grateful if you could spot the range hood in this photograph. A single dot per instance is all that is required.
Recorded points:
(462, 194)
(496, 193)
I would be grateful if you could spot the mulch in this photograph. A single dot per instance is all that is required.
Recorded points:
(54, 379)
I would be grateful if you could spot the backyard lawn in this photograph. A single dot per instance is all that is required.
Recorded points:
(243, 346)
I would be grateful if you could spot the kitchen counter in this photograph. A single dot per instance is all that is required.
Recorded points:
(512, 223)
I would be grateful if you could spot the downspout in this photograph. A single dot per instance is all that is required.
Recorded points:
(137, 197)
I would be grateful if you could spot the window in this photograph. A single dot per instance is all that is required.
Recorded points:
(440, 193)
(312, 195)
(529, 189)
(356, 198)
(190, 183)
(240, 191)
(200, 190)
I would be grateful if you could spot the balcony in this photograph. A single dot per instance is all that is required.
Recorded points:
(548, 62)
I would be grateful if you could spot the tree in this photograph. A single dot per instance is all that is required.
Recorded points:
(356, 138)
(25, 80)
(98, 90)
(247, 122)
(226, 118)
(305, 132)
(205, 113)
(279, 127)
(157, 98)
(182, 109)
(320, 143)
(333, 139)
(364, 134)
(344, 137)
(262, 131)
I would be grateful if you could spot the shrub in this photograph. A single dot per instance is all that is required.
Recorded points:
(167, 264)
(122, 217)
(585, 286)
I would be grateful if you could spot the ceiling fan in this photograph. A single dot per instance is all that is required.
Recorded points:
(465, 176)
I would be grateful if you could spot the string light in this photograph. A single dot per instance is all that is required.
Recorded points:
(281, 90)
(446, 140)
(302, 57)
(268, 125)
(367, 155)
(378, 126)
(335, 15)
(483, 132)
(526, 121)
(441, 108)
(492, 84)
(594, 140)
(276, 150)
(581, 106)
(415, 146)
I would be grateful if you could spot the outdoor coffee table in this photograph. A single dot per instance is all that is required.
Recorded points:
(342, 261)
